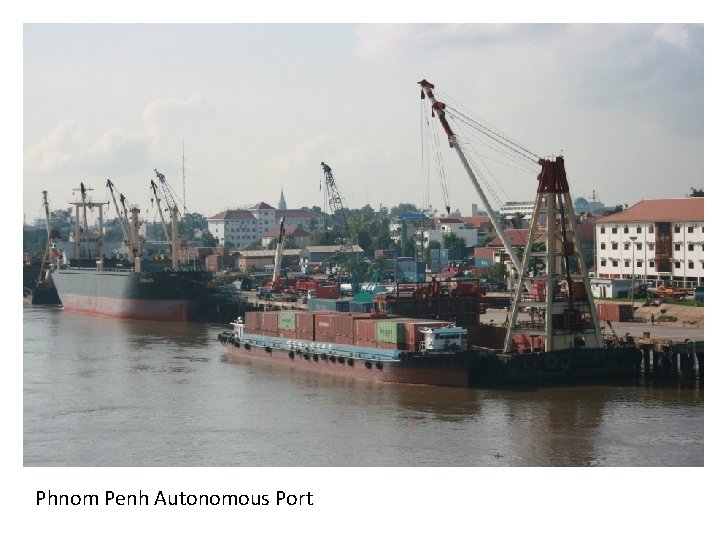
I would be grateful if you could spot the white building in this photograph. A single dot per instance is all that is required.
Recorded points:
(447, 226)
(245, 227)
(660, 239)
(510, 208)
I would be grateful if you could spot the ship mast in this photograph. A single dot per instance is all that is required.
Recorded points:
(84, 203)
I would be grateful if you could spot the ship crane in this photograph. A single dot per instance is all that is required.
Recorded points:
(338, 209)
(129, 232)
(275, 284)
(122, 218)
(51, 255)
(172, 239)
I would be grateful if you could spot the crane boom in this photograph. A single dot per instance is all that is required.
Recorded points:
(339, 210)
(275, 285)
(124, 226)
(439, 108)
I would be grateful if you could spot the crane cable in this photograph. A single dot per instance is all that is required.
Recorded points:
(437, 149)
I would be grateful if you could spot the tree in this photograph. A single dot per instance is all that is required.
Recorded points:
(518, 220)
(189, 223)
(113, 230)
(63, 221)
(697, 192)
(208, 239)
(496, 273)
(457, 244)
(432, 244)
(403, 208)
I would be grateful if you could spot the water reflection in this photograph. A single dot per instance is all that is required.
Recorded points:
(170, 394)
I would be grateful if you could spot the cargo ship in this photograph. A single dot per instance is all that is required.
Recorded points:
(132, 288)
(162, 295)
(356, 345)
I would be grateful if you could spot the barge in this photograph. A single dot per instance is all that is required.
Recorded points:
(441, 358)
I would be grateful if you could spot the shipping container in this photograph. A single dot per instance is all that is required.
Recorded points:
(365, 343)
(614, 312)
(360, 307)
(325, 304)
(290, 334)
(328, 291)
(286, 321)
(343, 340)
(344, 325)
(389, 332)
(253, 320)
(305, 323)
(324, 326)
(270, 321)
(365, 330)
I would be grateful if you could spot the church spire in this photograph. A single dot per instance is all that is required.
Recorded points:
(282, 205)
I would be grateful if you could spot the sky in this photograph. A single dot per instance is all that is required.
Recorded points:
(257, 107)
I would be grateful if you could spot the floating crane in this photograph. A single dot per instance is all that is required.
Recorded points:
(556, 290)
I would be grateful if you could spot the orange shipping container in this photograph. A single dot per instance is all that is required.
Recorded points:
(324, 324)
(413, 336)
(305, 322)
(269, 321)
(365, 330)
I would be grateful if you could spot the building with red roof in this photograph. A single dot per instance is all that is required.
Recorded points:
(654, 240)
(244, 227)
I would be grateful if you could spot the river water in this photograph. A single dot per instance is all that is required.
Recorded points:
(103, 392)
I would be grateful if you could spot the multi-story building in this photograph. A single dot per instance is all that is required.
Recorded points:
(654, 240)
(445, 226)
(245, 227)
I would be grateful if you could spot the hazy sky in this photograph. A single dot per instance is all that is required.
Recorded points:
(260, 106)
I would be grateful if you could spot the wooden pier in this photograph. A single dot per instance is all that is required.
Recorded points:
(665, 359)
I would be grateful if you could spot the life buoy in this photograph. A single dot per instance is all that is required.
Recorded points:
(368, 364)
(247, 346)
(268, 349)
(550, 362)
(379, 365)
(350, 361)
(565, 362)
(529, 363)
(291, 355)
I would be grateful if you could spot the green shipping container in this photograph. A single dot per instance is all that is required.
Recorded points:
(390, 332)
(286, 321)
